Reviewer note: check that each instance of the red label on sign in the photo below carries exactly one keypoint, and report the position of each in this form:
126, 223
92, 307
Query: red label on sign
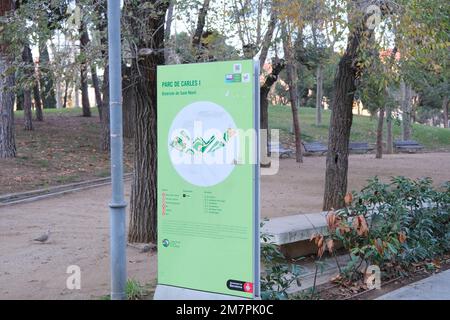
248, 287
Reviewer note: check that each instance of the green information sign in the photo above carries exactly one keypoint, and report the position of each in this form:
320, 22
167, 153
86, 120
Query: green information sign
208, 179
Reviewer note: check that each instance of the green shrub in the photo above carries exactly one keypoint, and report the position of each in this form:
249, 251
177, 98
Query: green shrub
391, 225
278, 275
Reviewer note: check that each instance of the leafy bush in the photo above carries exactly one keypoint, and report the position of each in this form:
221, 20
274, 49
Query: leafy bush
391, 225
278, 275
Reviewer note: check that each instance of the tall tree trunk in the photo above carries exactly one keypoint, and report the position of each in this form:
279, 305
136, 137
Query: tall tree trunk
96, 85
149, 33
380, 133
28, 115
84, 41
46, 76
105, 133
277, 66
66, 93
406, 105
105, 137
445, 103
86, 107
319, 94
129, 105
28, 72
37, 102
267, 41
19, 99
290, 75
389, 135
37, 93
7, 96
196, 39
168, 29
341, 123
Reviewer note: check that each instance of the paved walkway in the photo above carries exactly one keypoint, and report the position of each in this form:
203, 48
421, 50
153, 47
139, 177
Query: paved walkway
436, 287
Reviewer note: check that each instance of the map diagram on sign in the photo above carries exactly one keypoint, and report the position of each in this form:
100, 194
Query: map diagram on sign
184, 143
203, 143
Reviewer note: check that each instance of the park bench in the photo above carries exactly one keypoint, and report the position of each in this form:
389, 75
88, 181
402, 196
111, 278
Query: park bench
410, 146
315, 147
360, 147
283, 152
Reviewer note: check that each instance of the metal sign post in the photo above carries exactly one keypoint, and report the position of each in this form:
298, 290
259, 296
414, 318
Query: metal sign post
118, 204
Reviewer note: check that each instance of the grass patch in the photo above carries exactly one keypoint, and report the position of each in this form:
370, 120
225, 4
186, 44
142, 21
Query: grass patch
59, 112
363, 128
43, 163
134, 290
68, 179
103, 173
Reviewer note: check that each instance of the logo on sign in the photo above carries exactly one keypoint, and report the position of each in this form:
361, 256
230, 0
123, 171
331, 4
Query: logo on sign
233, 78
242, 286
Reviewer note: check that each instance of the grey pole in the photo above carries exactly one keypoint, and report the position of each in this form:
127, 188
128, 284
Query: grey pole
118, 204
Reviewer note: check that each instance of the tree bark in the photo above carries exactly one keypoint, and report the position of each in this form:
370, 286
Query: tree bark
129, 106
406, 110
66, 92
380, 133
19, 100
84, 41
319, 94
277, 66
168, 29
28, 72
96, 85
445, 111
7, 96
196, 40
267, 41
46, 76
290, 71
105, 132
389, 135
147, 26
341, 123
37, 93
103, 103
37, 102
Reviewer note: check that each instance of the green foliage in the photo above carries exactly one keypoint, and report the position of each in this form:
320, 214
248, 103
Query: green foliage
278, 275
133, 290
393, 225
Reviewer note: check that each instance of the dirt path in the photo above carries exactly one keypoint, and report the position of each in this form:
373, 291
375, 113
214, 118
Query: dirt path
80, 226
299, 188
79, 223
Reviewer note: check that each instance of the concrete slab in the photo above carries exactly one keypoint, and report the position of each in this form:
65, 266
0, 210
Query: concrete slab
307, 275
436, 287
290, 229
